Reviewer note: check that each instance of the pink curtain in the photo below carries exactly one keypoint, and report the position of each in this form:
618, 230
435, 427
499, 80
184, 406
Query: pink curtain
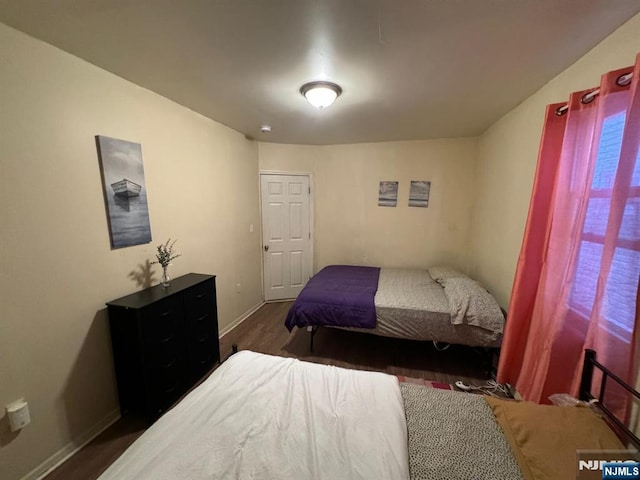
576, 283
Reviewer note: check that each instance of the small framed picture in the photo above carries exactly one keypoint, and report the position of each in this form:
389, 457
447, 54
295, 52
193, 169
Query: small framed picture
388, 194
419, 193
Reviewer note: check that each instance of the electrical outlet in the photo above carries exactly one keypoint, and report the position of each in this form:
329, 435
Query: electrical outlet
18, 413
238, 288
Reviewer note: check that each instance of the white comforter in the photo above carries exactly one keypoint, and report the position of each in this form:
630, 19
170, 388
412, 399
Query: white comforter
264, 417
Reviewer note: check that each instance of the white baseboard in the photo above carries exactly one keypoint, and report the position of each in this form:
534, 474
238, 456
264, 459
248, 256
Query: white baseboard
73, 447
240, 319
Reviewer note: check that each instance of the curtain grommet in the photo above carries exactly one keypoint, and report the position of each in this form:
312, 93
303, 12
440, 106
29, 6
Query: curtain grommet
624, 80
562, 110
587, 98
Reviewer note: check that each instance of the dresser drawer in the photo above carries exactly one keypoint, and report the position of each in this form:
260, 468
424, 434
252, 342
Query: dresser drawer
167, 383
203, 354
165, 354
201, 328
199, 300
163, 321
202, 340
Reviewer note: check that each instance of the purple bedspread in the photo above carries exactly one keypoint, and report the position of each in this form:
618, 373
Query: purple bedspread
338, 295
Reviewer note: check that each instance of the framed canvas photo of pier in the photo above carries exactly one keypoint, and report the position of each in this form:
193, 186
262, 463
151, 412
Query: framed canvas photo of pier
125, 193
419, 193
388, 194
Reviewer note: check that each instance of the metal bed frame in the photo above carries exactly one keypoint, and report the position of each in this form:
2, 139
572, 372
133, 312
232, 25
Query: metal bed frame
589, 367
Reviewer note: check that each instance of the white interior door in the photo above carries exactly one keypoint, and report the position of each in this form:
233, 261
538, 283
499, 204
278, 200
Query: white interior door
286, 234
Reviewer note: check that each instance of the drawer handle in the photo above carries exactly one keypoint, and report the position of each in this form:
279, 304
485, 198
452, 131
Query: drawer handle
199, 296
206, 337
172, 388
170, 337
202, 362
165, 313
202, 317
170, 364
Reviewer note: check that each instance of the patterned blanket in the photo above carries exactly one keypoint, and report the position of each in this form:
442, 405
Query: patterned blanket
454, 436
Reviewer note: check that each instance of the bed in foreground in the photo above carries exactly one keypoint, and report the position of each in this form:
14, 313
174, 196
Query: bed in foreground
265, 417
438, 304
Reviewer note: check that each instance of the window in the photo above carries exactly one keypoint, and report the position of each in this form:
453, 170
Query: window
621, 288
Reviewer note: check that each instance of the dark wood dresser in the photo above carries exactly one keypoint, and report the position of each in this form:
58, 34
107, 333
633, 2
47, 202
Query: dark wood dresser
164, 341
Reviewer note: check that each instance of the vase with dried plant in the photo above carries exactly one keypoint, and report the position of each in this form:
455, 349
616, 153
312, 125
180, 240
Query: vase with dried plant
165, 255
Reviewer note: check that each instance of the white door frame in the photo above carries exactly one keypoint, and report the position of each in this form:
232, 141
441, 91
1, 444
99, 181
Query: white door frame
311, 232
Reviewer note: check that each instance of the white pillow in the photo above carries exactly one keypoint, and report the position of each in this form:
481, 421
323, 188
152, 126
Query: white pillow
440, 273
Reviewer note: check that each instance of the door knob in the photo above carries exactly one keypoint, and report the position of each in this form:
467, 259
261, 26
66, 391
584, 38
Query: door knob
266, 248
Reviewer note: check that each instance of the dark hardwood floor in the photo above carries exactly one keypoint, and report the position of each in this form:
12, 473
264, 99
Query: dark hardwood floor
264, 332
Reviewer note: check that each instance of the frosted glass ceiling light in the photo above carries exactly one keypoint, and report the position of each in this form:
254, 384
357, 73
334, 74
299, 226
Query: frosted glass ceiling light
320, 94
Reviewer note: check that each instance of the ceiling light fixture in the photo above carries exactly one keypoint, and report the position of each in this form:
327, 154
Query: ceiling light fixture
320, 94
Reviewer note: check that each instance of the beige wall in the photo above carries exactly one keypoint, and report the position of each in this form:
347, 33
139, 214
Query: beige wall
507, 156
56, 266
349, 225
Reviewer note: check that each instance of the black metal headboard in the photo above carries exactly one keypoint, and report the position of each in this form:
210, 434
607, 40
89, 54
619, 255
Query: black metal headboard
588, 368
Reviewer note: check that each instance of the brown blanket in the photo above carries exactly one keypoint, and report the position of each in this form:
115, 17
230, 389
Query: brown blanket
545, 438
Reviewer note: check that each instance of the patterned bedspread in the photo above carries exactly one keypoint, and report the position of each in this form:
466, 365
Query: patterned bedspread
454, 436
410, 304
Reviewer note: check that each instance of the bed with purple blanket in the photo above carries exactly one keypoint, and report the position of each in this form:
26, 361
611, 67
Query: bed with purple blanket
438, 304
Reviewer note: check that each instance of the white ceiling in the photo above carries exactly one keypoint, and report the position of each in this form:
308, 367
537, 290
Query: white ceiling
410, 69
